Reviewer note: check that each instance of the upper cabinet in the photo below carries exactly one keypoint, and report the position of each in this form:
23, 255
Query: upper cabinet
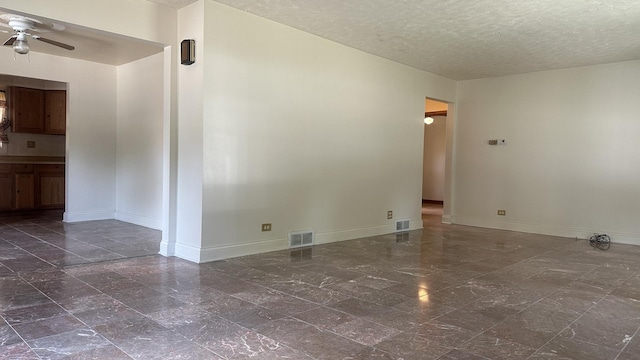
27, 109
55, 112
38, 111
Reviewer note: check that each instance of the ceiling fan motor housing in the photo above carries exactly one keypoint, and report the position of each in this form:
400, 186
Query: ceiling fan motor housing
21, 25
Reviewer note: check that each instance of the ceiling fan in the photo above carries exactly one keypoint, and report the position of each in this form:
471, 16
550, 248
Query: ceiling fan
23, 27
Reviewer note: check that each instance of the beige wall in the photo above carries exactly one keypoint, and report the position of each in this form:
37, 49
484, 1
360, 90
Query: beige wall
91, 132
434, 156
190, 158
91, 127
134, 18
570, 165
139, 142
274, 153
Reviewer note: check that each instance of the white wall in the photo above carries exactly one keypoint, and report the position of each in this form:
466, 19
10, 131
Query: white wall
139, 142
304, 133
134, 18
190, 139
140, 20
570, 165
91, 128
434, 156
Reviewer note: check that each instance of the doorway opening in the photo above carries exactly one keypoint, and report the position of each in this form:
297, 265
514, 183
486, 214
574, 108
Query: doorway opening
34, 183
434, 160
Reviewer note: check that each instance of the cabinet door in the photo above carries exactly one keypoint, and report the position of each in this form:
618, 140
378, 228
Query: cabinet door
6, 191
51, 191
27, 109
25, 198
55, 110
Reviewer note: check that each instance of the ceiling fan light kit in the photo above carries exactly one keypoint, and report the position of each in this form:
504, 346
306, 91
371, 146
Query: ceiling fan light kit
22, 26
20, 44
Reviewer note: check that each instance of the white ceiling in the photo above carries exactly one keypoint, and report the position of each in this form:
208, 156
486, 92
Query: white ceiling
456, 39
90, 44
473, 38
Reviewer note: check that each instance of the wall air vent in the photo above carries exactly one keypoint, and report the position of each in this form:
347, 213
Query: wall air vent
402, 225
301, 238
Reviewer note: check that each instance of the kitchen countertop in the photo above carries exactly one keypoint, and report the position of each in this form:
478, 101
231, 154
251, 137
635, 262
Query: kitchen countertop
48, 160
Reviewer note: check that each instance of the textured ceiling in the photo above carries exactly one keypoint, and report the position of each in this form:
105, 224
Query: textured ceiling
469, 39
461, 40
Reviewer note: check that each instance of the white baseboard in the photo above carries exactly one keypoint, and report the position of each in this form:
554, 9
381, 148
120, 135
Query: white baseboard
167, 249
446, 219
139, 220
187, 252
235, 250
231, 251
416, 225
326, 238
570, 232
77, 216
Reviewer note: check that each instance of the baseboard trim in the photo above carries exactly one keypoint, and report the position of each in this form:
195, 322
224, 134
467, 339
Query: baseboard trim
257, 247
187, 252
138, 220
570, 232
446, 219
167, 249
78, 216
237, 250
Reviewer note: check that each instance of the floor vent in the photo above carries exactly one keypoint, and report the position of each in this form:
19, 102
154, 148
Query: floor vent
301, 238
402, 225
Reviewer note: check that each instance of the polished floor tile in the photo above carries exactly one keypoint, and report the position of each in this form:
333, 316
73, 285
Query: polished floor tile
41, 241
446, 292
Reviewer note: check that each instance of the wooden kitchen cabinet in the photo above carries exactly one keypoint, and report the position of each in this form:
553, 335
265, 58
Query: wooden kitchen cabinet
55, 112
24, 187
27, 109
50, 186
38, 111
6, 186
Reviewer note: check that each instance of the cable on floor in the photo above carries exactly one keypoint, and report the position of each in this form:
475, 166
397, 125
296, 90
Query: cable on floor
600, 241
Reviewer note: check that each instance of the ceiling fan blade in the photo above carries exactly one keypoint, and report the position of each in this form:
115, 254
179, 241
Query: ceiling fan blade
53, 42
10, 40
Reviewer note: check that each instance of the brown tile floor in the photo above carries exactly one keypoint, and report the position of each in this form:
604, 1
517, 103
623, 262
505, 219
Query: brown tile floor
446, 292
41, 241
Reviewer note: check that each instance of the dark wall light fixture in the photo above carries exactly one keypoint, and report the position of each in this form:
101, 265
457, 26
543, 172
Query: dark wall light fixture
187, 51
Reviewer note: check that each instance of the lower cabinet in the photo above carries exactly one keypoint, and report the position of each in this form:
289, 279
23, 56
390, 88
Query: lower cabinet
25, 181
29, 186
6, 187
25, 194
50, 186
